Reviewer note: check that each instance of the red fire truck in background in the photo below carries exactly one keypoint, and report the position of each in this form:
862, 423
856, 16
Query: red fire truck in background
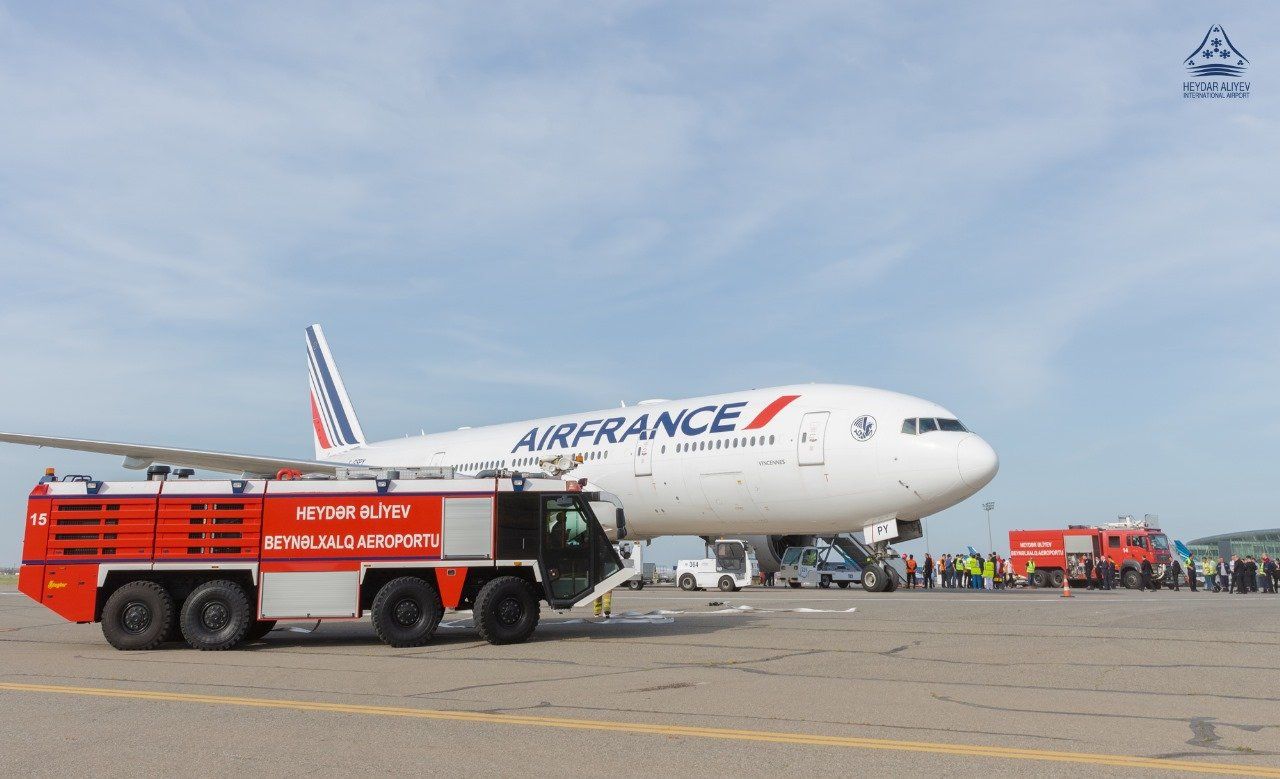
1059, 554
216, 563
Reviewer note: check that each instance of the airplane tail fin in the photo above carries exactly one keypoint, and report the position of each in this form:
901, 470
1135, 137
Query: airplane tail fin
333, 419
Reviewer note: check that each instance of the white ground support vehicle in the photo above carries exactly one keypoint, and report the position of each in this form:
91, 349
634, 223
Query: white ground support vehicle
811, 565
632, 555
732, 567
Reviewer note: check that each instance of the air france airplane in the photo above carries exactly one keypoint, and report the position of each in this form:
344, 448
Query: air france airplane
776, 466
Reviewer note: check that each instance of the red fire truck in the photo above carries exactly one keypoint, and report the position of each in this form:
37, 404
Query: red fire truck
216, 563
1059, 554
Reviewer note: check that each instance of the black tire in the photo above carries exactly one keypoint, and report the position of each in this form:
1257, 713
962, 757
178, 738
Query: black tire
635, 584
259, 629
406, 612
216, 616
1131, 579
688, 583
890, 581
874, 578
793, 584
726, 584
844, 585
506, 611
1039, 578
137, 616
824, 582
1056, 578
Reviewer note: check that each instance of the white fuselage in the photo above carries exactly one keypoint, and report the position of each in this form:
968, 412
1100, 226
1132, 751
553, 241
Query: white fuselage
814, 458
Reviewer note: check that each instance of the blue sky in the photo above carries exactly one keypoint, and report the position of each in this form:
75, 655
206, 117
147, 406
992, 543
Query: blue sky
502, 211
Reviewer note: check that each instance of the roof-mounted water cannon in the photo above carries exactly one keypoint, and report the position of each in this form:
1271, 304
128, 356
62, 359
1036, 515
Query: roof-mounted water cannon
558, 465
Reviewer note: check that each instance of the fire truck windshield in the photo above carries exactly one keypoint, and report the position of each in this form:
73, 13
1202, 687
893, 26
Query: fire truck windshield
1160, 541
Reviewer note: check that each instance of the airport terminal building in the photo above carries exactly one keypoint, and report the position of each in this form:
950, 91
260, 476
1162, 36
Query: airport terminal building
1251, 542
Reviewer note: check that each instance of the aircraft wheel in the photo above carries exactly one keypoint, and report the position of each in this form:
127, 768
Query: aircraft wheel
873, 578
890, 581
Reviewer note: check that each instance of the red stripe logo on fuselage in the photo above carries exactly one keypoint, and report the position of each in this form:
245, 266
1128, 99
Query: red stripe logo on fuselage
770, 411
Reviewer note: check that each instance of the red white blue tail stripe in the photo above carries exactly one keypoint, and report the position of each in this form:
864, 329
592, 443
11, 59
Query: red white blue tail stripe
333, 419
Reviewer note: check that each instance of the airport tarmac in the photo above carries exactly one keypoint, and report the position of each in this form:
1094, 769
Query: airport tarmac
1017, 683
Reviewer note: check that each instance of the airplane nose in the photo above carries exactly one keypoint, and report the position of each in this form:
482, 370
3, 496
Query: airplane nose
977, 461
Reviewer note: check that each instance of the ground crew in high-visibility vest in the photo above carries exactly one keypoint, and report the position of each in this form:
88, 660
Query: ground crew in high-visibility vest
604, 603
975, 573
989, 574
1031, 569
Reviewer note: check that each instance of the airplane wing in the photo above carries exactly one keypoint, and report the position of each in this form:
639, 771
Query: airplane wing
139, 456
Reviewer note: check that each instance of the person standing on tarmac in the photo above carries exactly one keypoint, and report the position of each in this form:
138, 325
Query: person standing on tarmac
1175, 573
1270, 573
989, 572
1100, 573
1224, 575
1234, 567
959, 571
1191, 572
1147, 584
928, 571
1031, 569
1211, 574
911, 572
604, 603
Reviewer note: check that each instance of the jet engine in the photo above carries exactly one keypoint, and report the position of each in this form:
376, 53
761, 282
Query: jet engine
769, 549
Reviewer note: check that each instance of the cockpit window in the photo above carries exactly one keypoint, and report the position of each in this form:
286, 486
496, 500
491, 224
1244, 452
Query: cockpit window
927, 425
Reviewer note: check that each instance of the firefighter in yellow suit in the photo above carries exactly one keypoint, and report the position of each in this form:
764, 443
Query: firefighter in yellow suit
604, 603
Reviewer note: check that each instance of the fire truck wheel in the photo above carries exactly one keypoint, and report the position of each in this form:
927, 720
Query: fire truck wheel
137, 616
726, 584
1131, 579
406, 612
1056, 577
1039, 578
216, 616
506, 610
259, 629
688, 583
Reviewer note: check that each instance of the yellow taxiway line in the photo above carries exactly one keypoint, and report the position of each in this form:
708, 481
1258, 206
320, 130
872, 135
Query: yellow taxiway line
690, 731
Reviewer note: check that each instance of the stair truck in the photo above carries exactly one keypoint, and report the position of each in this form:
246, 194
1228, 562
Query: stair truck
1060, 554
218, 562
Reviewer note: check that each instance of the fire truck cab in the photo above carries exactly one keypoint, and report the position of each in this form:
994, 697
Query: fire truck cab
218, 562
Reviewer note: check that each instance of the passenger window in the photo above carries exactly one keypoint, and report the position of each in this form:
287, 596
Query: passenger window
804, 437
928, 426
770, 439
909, 426
753, 440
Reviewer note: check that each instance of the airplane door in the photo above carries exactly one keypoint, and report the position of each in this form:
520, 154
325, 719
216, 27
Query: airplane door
644, 458
813, 436
437, 458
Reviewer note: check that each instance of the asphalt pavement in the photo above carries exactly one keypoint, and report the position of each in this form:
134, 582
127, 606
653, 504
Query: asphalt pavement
755, 683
